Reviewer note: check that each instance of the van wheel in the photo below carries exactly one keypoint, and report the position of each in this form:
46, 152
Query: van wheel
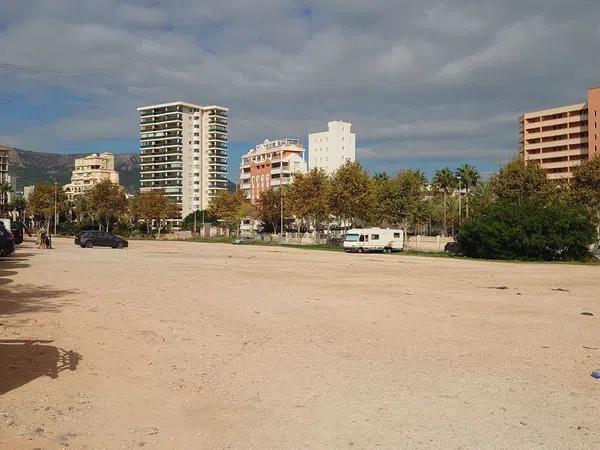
360, 250
89, 244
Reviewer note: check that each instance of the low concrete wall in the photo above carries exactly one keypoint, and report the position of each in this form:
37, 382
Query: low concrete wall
427, 243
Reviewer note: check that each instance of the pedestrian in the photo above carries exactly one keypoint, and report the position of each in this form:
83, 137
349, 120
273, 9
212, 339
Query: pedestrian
43, 239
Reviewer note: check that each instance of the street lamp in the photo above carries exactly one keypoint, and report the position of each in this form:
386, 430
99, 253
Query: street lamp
55, 205
281, 195
459, 199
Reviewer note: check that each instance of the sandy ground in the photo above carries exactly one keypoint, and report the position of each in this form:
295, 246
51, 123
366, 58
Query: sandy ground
186, 345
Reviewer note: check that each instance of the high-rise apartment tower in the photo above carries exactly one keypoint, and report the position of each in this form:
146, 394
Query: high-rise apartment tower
183, 151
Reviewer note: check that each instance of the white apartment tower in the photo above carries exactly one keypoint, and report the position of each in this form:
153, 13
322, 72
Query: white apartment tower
183, 151
331, 149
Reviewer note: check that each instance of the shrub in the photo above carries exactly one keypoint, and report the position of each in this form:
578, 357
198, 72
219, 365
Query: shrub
530, 230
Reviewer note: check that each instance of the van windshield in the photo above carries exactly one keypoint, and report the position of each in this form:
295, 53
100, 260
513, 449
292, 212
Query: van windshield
351, 237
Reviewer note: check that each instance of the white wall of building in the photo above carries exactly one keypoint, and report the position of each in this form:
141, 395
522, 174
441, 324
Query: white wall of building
330, 149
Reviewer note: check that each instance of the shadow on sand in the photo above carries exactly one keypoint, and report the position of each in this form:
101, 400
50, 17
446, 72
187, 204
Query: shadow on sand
25, 298
22, 361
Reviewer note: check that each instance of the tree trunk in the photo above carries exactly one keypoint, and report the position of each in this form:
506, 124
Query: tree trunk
445, 221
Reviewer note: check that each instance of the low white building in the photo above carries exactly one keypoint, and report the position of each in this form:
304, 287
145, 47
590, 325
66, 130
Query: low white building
331, 149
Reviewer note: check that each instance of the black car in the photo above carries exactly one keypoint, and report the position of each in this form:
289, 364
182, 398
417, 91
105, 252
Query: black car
18, 229
7, 242
91, 239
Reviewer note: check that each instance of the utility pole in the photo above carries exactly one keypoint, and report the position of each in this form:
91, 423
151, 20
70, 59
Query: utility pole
459, 200
195, 221
55, 205
281, 195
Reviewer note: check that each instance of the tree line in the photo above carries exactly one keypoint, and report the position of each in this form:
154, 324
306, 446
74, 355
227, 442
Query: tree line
105, 206
351, 197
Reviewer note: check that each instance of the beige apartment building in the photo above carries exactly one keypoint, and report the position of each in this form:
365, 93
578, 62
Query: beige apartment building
560, 138
270, 165
91, 170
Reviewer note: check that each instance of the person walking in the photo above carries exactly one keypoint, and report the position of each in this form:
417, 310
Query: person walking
43, 239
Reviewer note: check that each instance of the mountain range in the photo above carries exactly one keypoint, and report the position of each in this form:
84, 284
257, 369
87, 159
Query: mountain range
30, 167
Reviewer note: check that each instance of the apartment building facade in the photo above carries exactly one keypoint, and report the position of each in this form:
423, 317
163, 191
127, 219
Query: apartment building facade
183, 151
328, 150
271, 165
89, 171
559, 139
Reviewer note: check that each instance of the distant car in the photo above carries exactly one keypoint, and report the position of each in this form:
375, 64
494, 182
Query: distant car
596, 250
7, 242
244, 240
81, 233
452, 248
91, 239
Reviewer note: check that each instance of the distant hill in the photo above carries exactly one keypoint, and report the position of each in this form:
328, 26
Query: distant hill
36, 167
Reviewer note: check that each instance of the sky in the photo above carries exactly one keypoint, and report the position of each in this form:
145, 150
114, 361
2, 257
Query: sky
425, 84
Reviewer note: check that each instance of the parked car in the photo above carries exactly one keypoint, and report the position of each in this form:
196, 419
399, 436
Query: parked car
91, 239
244, 240
18, 230
81, 233
7, 242
452, 248
596, 250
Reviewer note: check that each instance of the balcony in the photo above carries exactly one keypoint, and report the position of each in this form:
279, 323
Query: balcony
162, 143
161, 119
217, 128
213, 120
217, 112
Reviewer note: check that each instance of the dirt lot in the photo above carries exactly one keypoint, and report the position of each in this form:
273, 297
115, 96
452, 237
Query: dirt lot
183, 345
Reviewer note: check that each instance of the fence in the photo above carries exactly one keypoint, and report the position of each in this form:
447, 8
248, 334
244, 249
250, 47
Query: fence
427, 243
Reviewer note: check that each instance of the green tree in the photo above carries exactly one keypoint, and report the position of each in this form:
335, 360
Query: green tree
529, 230
269, 209
350, 195
5, 189
19, 204
230, 207
519, 182
188, 221
43, 200
481, 196
445, 181
469, 177
585, 187
308, 197
154, 206
107, 203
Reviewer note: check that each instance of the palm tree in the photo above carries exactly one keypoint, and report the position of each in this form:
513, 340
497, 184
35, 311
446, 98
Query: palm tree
5, 188
483, 195
470, 176
445, 181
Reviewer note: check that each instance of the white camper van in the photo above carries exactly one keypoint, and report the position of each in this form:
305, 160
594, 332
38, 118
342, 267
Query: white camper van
384, 240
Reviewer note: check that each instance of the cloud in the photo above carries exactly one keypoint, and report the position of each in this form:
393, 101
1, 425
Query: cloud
427, 79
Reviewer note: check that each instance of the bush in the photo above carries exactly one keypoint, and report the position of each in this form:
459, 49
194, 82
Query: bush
529, 231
